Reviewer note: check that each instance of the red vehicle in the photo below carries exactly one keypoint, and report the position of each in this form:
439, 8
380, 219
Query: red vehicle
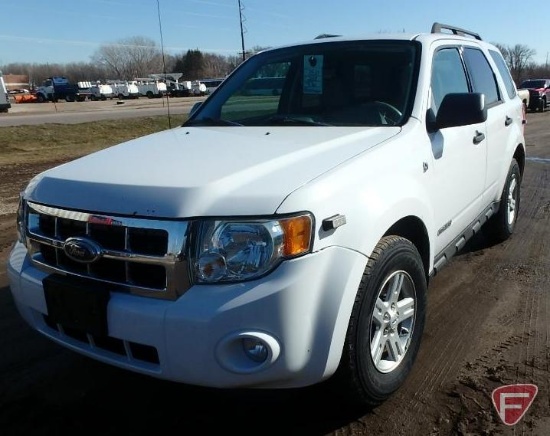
539, 93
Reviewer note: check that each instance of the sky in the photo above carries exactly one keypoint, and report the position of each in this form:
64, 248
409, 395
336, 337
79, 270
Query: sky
66, 31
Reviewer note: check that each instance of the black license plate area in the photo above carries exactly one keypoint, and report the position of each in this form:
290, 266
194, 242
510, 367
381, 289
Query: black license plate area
76, 304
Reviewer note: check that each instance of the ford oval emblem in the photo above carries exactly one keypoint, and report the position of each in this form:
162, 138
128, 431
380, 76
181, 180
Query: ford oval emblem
82, 250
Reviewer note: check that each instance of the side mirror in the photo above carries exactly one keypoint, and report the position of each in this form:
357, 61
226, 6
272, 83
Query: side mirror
460, 109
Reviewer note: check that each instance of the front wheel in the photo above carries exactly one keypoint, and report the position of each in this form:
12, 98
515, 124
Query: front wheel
386, 324
501, 226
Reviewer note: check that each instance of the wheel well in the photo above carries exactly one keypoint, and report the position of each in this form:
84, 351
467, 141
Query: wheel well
519, 155
413, 229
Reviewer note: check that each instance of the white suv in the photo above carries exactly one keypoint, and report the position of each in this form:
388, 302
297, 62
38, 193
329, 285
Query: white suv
279, 240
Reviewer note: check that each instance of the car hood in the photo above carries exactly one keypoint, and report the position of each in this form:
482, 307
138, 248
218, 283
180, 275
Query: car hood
202, 171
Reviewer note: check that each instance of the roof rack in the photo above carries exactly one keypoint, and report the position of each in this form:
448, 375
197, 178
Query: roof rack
326, 35
438, 27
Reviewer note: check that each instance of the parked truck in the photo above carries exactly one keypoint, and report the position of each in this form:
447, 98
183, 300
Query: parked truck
277, 241
124, 90
60, 88
539, 93
102, 91
150, 88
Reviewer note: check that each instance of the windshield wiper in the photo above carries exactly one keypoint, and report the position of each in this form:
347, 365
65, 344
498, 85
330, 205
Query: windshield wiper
208, 121
300, 120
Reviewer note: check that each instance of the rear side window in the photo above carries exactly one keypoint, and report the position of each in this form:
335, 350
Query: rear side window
504, 73
483, 78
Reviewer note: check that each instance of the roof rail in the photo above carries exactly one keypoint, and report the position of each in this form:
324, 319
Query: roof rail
438, 27
326, 35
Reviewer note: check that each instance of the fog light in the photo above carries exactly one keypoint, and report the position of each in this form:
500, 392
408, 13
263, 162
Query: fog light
247, 352
255, 349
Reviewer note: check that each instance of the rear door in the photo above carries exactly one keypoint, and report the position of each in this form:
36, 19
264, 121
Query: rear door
504, 115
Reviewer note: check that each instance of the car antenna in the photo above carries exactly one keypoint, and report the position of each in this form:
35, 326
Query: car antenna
163, 63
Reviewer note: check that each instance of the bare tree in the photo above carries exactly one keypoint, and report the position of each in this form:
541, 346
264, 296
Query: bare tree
85, 71
518, 58
215, 65
131, 57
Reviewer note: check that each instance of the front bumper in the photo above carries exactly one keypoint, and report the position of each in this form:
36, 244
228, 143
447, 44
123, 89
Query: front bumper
300, 311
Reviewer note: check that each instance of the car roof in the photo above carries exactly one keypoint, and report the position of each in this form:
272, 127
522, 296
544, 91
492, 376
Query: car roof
451, 33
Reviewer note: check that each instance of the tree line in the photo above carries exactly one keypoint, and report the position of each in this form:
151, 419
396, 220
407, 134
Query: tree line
519, 59
138, 56
130, 58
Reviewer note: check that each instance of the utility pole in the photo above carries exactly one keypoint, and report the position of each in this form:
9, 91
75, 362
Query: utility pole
242, 33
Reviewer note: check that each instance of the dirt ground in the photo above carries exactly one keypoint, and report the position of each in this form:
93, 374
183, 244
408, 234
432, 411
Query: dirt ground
488, 325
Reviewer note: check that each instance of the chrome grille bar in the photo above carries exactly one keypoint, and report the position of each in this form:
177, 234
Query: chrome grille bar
146, 234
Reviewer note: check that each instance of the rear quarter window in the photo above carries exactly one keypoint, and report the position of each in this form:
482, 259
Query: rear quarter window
504, 73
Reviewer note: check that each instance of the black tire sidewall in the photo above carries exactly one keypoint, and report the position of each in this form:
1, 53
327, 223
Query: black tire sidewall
400, 254
498, 228
514, 170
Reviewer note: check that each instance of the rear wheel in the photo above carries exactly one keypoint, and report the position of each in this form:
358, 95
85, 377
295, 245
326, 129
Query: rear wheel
386, 324
501, 226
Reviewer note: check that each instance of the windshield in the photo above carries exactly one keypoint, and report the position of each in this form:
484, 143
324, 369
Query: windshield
359, 83
533, 84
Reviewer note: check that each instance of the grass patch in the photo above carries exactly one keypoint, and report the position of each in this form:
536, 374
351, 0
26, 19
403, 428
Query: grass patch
50, 142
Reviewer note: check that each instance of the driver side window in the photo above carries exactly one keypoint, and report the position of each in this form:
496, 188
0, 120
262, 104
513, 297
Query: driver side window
448, 76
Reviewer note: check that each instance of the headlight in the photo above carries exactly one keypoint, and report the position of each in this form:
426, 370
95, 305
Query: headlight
21, 220
236, 250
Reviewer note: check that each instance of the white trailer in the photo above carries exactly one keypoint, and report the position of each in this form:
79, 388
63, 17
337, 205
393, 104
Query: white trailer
101, 91
4, 97
125, 90
150, 88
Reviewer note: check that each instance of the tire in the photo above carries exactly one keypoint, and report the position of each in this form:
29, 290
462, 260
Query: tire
542, 105
391, 327
40, 98
501, 226
150, 94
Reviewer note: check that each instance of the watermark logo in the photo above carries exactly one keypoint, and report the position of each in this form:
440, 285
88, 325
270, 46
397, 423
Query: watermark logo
512, 401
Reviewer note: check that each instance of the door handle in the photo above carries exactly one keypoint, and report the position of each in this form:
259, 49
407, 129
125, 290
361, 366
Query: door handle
508, 121
479, 137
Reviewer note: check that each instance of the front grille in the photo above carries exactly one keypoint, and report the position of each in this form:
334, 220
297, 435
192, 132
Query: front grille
141, 256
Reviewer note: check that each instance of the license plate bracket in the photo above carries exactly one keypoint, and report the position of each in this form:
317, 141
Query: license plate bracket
76, 304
